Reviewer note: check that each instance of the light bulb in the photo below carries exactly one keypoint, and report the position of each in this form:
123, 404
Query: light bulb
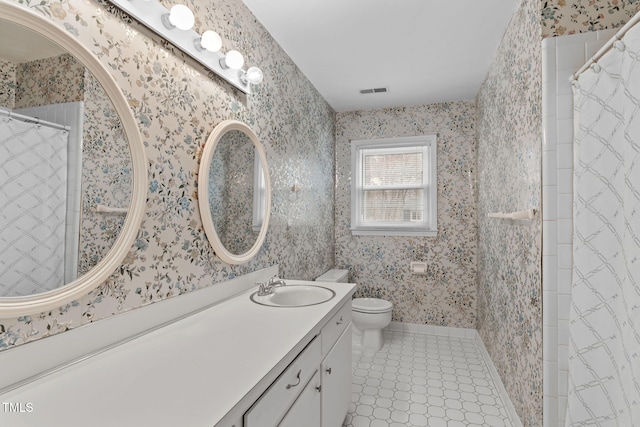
253, 75
233, 59
211, 41
181, 17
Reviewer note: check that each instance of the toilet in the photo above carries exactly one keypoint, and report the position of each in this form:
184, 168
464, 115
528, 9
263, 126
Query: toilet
369, 315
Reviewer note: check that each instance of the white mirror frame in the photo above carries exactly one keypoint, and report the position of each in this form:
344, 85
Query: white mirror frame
203, 192
20, 306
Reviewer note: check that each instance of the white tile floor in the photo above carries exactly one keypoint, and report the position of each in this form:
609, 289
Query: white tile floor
424, 380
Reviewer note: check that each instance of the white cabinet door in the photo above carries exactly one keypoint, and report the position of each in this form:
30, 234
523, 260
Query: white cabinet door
275, 402
306, 409
336, 381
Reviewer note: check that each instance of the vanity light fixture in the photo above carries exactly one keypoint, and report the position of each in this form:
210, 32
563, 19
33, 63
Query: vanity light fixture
176, 26
253, 75
210, 41
179, 17
233, 59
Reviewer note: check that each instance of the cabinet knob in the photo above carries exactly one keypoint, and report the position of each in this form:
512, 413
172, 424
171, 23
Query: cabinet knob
328, 371
339, 322
319, 388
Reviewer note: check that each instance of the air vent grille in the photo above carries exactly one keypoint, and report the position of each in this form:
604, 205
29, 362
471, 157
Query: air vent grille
374, 90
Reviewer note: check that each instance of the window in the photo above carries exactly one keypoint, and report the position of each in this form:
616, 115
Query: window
393, 186
259, 193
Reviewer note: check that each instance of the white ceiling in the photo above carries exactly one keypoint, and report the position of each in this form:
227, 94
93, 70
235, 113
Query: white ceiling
423, 51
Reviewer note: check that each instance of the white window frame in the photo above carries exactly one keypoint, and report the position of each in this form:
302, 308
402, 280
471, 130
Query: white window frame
429, 224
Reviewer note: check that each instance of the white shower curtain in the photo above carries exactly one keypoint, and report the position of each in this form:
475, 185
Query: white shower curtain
604, 343
33, 191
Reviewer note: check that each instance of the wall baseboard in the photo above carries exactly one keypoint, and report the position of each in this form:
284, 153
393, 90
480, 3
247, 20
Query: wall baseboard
442, 331
508, 405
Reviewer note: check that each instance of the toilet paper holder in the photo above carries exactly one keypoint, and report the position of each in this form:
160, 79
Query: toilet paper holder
418, 268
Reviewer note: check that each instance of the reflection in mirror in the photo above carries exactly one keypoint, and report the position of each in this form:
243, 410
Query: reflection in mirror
63, 153
231, 182
259, 193
234, 192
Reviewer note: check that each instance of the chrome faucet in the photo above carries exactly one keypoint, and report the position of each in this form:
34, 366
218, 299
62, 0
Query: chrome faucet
267, 288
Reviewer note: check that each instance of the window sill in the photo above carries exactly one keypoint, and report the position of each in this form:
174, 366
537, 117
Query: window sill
394, 232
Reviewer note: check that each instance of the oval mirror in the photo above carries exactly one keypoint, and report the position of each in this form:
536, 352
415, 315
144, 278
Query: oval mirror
234, 192
73, 172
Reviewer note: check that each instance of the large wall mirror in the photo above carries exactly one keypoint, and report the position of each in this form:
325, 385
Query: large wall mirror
234, 192
73, 174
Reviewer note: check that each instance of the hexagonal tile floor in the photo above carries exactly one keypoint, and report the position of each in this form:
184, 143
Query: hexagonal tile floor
424, 380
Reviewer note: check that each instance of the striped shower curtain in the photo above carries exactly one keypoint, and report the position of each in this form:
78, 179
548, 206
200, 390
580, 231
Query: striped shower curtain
33, 191
604, 345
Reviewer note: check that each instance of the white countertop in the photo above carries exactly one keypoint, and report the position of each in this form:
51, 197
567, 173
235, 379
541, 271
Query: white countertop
195, 372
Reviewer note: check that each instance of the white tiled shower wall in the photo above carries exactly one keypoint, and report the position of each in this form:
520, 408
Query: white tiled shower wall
561, 57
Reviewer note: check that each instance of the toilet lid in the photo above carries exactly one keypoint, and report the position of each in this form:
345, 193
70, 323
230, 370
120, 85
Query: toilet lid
371, 305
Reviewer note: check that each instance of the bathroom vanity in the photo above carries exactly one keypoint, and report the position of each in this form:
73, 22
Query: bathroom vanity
315, 389
236, 363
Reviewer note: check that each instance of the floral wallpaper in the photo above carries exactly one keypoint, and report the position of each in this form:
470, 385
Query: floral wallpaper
106, 174
446, 296
7, 84
560, 17
177, 105
48, 81
509, 252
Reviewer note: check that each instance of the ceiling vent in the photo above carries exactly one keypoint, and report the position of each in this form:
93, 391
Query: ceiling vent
375, 90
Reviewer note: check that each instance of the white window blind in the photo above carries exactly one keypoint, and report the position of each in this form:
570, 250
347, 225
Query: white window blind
394, 186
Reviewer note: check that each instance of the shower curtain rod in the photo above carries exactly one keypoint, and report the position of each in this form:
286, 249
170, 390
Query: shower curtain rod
604, 49
35, 120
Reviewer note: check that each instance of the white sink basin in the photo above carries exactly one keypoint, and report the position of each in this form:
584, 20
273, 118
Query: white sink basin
294, 296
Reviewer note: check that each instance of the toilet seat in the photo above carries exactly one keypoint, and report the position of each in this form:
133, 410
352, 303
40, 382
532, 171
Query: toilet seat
371, 305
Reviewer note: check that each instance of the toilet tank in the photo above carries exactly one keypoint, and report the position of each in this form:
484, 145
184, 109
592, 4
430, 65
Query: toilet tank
334, 275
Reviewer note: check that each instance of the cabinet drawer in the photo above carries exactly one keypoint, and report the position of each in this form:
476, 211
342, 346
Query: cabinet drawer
334, 327
306, 410
275, 402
